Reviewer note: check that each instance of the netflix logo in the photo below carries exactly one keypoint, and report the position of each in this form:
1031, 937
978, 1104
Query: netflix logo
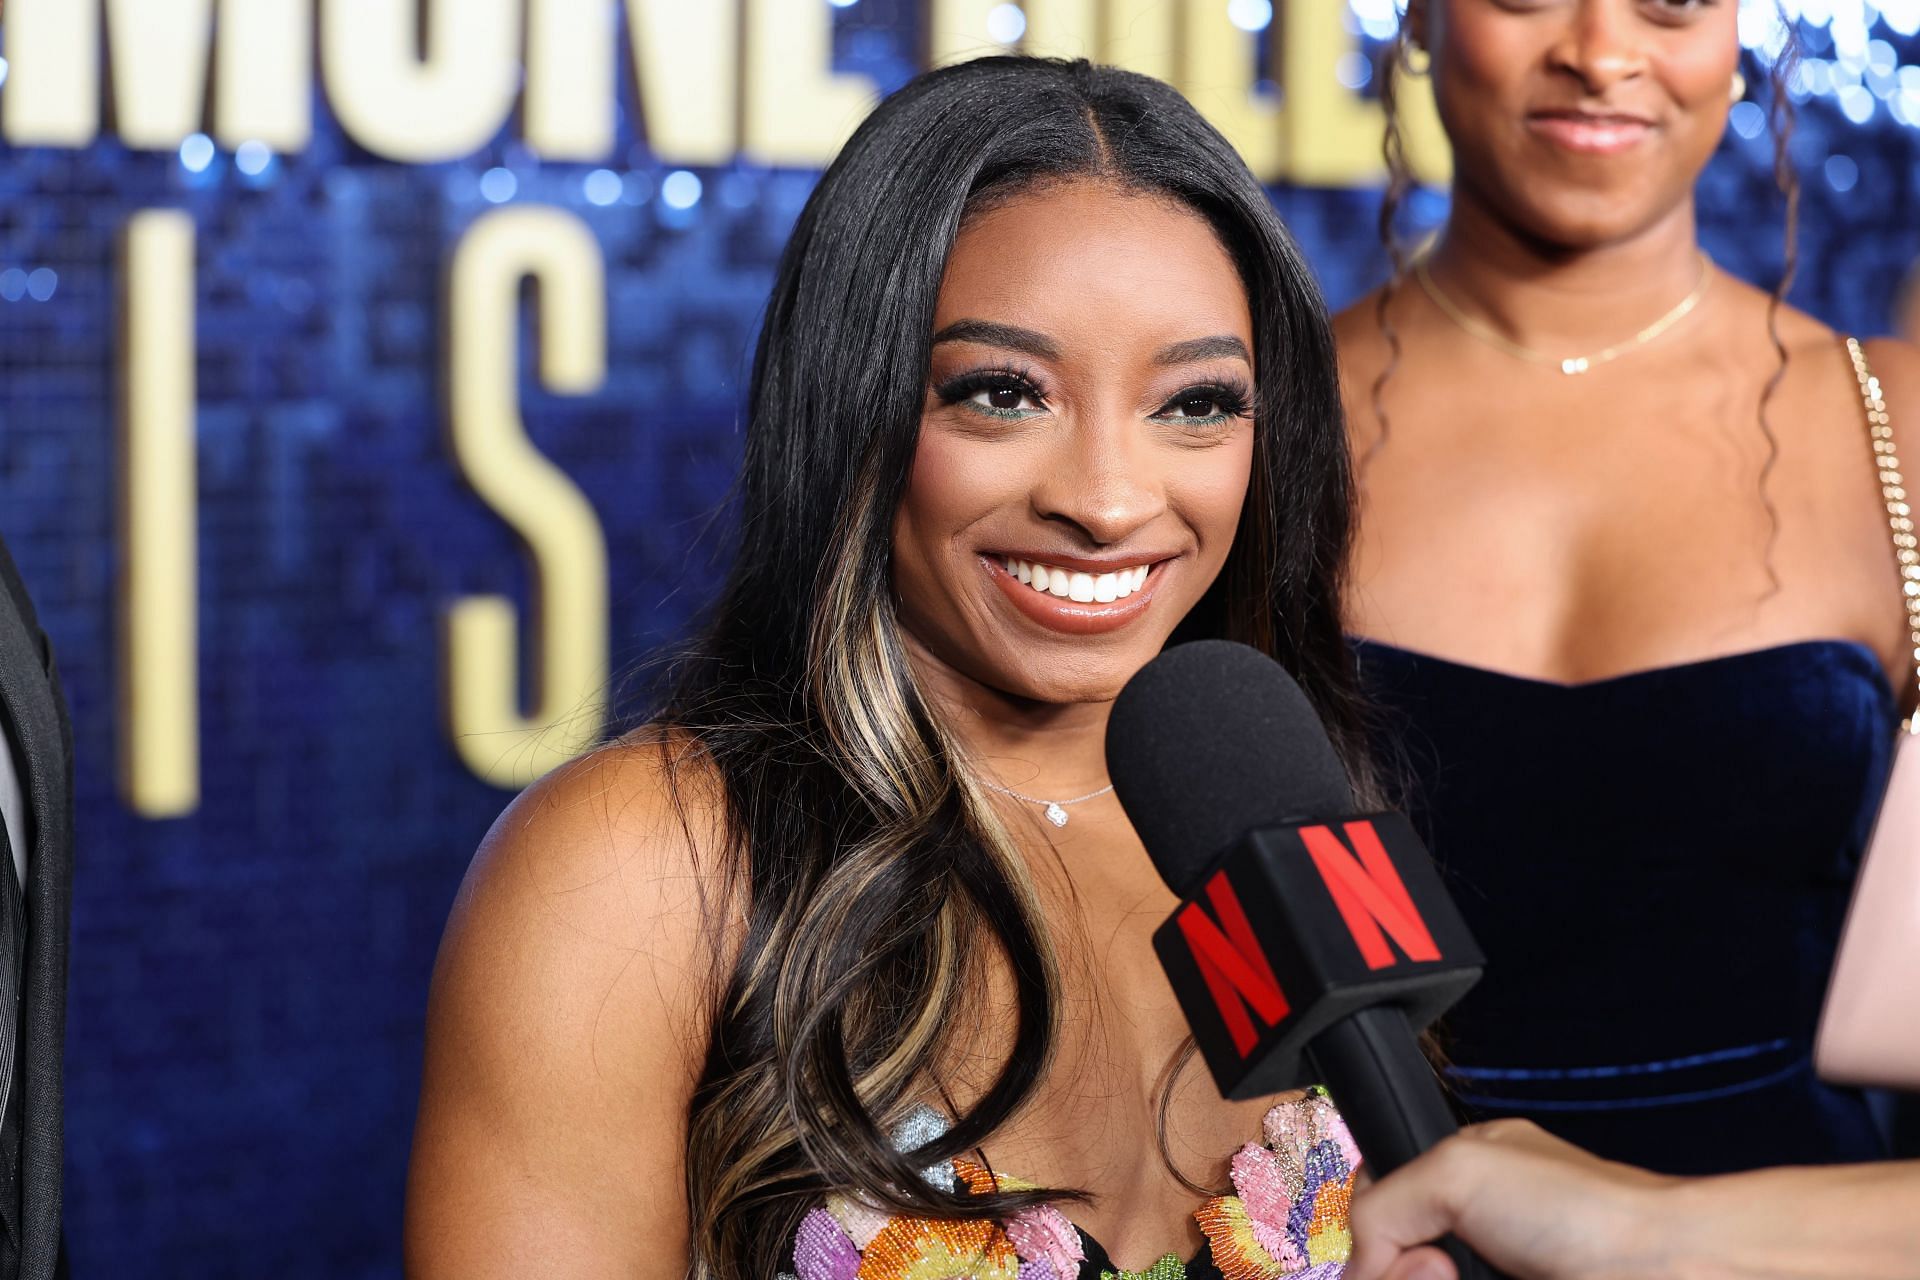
1296, 927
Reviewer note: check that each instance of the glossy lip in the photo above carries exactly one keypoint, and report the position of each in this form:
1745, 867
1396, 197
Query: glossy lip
1590, 132
1071, 617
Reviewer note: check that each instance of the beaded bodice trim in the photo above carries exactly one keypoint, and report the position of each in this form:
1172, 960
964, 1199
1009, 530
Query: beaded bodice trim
1286, 1218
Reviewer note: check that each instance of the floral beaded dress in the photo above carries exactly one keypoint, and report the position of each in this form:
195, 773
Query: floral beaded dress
1286, 1218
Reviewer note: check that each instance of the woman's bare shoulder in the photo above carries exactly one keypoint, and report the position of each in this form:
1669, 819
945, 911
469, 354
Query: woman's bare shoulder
640, 814
614, 857
568, 1018
1896, 363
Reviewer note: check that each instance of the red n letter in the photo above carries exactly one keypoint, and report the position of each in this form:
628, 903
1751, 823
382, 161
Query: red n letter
1232, 963
1369, 894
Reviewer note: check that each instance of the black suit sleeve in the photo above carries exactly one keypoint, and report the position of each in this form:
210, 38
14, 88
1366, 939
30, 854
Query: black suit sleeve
16, 590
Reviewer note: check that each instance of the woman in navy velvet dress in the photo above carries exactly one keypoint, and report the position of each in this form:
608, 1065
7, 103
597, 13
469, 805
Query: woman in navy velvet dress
1626, 593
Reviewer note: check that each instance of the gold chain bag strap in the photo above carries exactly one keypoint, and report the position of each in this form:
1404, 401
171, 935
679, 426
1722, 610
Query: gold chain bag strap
1870, 1028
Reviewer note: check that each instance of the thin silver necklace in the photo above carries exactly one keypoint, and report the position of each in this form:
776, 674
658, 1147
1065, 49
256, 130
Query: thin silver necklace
1056, 810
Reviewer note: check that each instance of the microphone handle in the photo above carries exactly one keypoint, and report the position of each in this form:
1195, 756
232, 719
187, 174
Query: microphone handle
1371, 1063
1385, 1088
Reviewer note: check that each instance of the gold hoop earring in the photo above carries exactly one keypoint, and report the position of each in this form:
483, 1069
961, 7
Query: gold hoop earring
1739, 86
1413, 60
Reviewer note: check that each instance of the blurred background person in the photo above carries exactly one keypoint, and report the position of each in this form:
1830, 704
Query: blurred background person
36, 883
1627, 590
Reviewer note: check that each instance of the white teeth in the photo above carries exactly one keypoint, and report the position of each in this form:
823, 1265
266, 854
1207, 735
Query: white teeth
1084, 588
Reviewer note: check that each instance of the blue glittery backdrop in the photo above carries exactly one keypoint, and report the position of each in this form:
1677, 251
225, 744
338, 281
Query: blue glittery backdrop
248, 982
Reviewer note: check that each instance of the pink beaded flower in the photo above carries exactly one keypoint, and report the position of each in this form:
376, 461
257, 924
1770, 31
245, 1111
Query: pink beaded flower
1048, 1245
1289, 1218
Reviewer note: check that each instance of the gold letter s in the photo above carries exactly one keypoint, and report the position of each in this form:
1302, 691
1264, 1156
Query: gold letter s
550, 515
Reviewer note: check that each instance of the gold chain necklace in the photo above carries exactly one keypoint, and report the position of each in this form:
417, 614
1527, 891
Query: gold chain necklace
1569, 365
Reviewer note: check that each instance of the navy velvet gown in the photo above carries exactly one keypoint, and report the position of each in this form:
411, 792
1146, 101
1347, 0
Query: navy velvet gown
1657, 866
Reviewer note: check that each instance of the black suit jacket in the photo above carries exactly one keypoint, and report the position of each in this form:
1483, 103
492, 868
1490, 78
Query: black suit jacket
33, 715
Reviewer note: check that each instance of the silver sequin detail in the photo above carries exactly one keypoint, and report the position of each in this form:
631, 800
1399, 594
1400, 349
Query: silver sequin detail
916, 1129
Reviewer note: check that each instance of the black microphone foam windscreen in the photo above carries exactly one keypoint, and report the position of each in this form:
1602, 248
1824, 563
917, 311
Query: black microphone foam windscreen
1210, 740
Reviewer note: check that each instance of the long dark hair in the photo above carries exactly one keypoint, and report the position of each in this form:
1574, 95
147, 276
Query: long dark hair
1400, 184
873, 872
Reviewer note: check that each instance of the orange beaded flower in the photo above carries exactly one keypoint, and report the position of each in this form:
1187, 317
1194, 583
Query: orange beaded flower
848, 1239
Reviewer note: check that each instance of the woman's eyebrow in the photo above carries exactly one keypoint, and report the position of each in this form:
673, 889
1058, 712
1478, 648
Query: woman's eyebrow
1196, 349
1039, 346
1012, 337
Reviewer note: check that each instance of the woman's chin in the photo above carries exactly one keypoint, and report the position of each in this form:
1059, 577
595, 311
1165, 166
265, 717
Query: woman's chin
1044, 676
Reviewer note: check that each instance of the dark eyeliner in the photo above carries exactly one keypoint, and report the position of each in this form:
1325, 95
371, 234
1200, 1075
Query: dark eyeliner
961, 387
1232, 399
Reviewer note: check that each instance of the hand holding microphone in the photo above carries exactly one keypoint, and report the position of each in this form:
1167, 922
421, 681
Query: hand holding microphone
1311, 945
1534, 1206
1542, 1209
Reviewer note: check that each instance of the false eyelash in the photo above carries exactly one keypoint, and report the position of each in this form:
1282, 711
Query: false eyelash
990, 378
1234, 399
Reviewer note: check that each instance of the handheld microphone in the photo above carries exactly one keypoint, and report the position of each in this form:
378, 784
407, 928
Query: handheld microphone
1311, 943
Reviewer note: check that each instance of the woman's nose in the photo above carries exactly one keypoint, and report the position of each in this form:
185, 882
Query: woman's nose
1103, 481
1600, 45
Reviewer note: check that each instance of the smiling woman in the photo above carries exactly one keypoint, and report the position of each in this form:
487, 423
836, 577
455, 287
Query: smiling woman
778, 983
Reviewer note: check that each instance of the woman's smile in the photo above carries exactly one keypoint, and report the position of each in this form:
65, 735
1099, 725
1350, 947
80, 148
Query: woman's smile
1590, 133
1075, 595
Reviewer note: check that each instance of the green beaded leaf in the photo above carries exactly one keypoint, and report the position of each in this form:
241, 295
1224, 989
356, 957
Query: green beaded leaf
1168, 1268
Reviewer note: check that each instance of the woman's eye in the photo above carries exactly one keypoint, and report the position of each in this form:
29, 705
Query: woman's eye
1006, 398
1005, 394
1003, 400
1679, 10
1196, 407
1202, 404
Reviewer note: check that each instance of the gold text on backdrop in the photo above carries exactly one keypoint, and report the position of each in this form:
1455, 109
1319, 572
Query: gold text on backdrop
430, 81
